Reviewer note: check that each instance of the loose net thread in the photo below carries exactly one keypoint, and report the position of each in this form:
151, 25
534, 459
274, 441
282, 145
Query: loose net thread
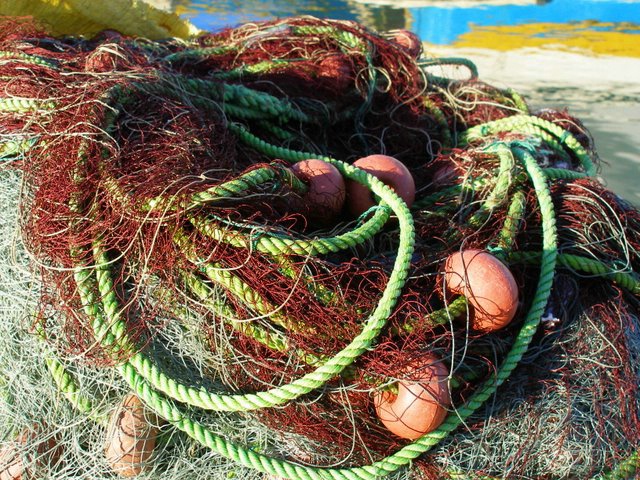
171, 207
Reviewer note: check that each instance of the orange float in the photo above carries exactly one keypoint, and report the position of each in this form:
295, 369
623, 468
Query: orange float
488, 285
409, 41
420, 405
12, 464
325, 198
131, 438
337, 71
390, 171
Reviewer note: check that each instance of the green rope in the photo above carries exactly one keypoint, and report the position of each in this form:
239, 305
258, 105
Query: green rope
535, 126
68, 386
242, 96
563, 174
279, 245
454, 61
23, 105
191, 53
441, 120
518, 100
26, 58
455, 309
498, 195
626, 469
16, 148
272, 339
590, 266
344, 38
234, 284
65, 381
441, 196
235, 188
258, 68
507, 235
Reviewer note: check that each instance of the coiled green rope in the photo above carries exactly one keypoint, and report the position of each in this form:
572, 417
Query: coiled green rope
95, 286
534, 126
401, 458
279, 395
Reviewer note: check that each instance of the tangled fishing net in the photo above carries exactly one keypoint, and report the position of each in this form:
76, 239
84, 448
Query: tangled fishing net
163, 244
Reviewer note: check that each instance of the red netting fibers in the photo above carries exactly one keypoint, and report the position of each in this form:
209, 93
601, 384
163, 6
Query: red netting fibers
177, 254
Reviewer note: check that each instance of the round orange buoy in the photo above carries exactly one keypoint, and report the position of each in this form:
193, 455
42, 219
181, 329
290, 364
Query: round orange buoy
131, 438
421, 403
390, 171
446, 175
409, 41
488, 285
325, 198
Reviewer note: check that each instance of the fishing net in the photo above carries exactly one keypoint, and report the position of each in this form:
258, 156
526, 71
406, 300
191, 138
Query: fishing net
158, 241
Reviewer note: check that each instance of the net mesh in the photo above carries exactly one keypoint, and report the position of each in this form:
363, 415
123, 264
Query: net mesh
148, 184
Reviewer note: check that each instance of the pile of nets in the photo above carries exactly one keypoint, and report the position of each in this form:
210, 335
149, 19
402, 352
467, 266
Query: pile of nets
164, 260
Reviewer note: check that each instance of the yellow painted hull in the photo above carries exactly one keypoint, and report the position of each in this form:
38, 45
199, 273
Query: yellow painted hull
88, 17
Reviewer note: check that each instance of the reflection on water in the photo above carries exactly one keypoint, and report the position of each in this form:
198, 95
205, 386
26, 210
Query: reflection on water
580, 54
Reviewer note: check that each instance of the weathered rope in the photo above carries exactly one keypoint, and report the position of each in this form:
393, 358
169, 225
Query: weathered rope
410, 452
535, 126
165, 394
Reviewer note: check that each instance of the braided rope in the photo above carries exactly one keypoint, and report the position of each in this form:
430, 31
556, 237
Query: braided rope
506, 172
628, 281
626, 469
507, 235
16, 148
533, 126
115, 333
96, 289
403, 457
279, 245
238, 287
563, 174
23, 105
27, 58
67, 384
271, 339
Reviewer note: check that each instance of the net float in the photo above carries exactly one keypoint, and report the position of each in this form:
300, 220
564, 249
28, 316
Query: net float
488, 285
337, 71
407, 40
11, 464
131, 437
420, 405
12, 460
390, 171
326, 195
